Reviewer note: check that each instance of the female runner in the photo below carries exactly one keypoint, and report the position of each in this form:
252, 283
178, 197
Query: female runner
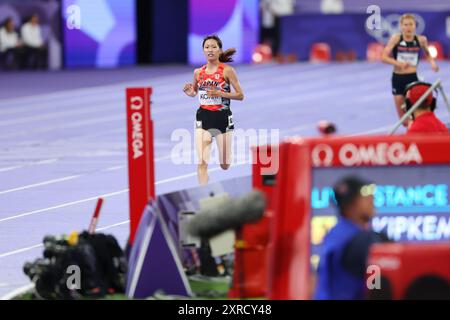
405, 48
213, 83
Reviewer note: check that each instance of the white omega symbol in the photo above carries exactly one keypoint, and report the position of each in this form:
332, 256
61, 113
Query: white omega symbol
319, 160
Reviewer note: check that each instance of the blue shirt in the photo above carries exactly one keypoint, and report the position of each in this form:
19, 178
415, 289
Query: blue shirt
335, 282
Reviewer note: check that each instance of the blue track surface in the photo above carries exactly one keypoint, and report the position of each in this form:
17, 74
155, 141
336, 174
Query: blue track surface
63, 144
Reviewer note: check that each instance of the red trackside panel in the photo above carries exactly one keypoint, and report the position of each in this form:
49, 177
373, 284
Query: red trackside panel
264, 170
140, 154
380, 150
289, 256
403, 263
251, 255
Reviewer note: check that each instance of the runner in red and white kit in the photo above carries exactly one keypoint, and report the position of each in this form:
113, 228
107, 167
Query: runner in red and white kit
213, 83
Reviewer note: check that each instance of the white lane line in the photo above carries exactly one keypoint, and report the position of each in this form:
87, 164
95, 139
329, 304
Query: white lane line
20, 250
90, 199
385, 129
302, 127
106, 195
157, 80
41, 106
82, 123
72, 124
17, 292
113, 225
179, 104
11, 168
105, 90
44, 183
10, 253
181, 177
48, 161
376, 130
182, 105
54, 115
113, 168
189, 175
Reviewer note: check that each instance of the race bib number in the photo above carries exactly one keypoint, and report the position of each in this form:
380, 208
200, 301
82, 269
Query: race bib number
230, 121
208, 101
411, 58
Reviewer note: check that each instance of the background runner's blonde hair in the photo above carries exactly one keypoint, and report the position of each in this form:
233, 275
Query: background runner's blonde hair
407, 16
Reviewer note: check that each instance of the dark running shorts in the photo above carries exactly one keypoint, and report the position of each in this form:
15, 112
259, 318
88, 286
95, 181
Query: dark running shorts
400, 81
216, 122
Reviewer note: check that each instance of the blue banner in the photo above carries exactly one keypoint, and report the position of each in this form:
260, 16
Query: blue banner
348, 32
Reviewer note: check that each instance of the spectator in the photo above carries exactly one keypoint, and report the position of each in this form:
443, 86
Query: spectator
271, 11
424, 119
36, 51
10, 45
344, 252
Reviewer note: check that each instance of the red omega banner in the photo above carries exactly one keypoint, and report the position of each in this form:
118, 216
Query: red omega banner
140, 154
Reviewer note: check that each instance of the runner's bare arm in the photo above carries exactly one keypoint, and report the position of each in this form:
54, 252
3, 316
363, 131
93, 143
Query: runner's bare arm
238, 94
191, 89
424, 45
